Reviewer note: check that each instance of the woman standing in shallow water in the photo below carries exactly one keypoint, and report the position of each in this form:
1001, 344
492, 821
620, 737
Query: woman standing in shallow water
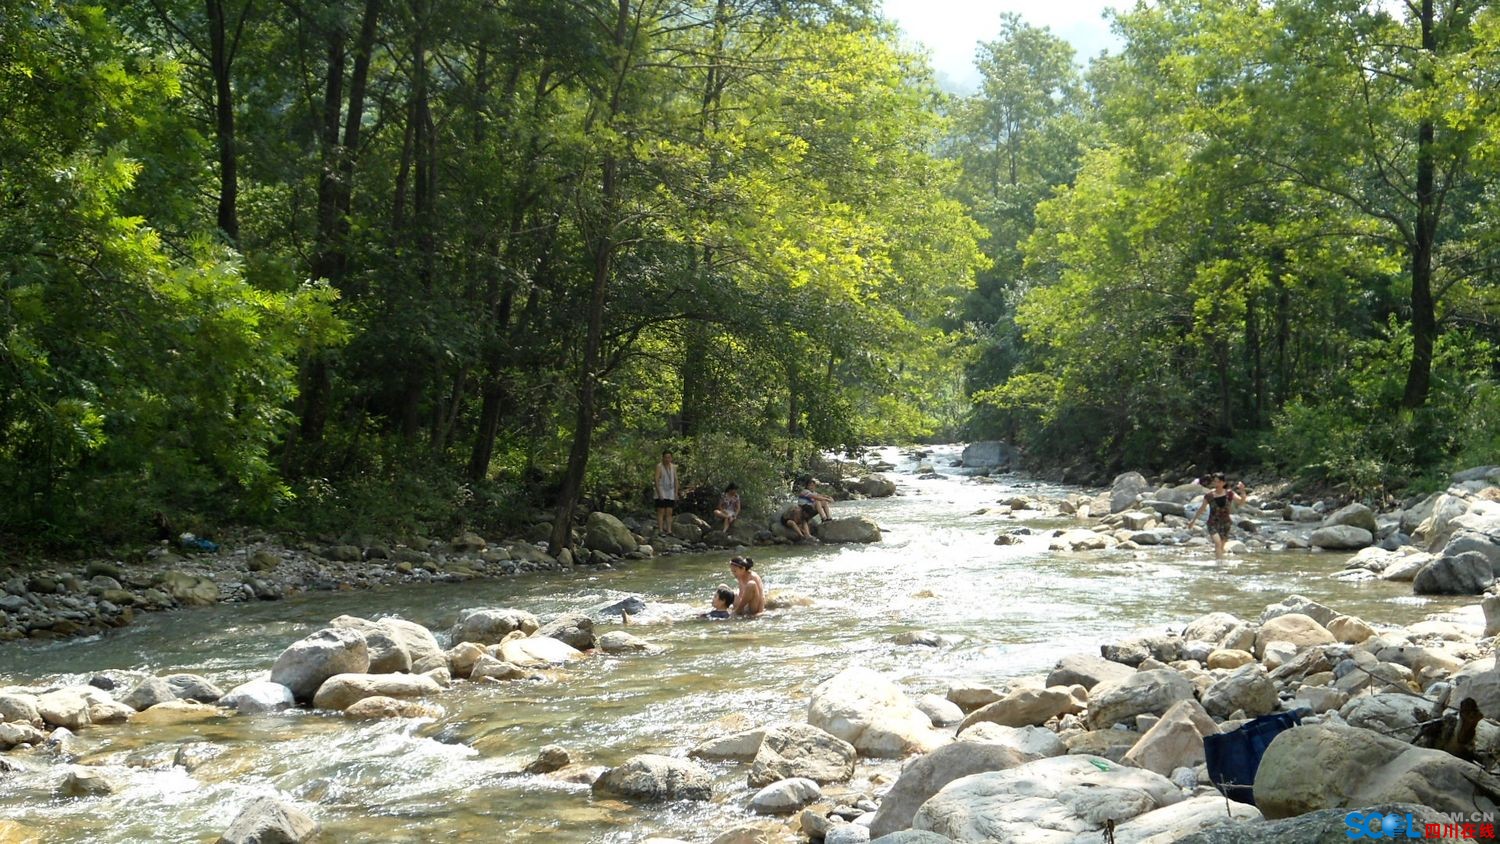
1219, 501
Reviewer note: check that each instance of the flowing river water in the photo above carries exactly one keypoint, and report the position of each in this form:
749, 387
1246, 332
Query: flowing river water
1007, 611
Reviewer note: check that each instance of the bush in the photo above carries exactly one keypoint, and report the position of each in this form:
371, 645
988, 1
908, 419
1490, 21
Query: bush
1480, 444
1355, 435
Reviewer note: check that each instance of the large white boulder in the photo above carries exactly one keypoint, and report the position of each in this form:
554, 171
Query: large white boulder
1330, 766
783, 797
1321, 613
258, 696
574, 629
1468, 573
620, 642
1062, 799
489, 625
1150, 692
1247, 688
1211, 628
1025, 707
848, 529
1354, 515
536, 650
1179, 820
875, 486
147, 693
1031, 742
926, 776
387, 655
1087, 670
1294, 628
603, 532
267, 820
19, 707
1437, 526
1175, 741
872, 713
1341, 538
308, 662
1126, 489
801, 751
343, 690
63, 708
426, 653
650, 777
737, 747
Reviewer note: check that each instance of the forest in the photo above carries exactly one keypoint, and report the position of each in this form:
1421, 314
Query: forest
405, 265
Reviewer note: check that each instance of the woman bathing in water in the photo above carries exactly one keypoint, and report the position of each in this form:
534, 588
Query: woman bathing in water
1219, 500
751, 600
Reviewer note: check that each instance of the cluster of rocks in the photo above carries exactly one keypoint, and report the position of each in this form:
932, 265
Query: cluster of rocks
100, 594
362, 668
97, 595
1115, 742
1447, 543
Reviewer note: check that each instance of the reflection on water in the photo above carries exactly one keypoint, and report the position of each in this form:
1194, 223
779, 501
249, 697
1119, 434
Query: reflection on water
1008, 611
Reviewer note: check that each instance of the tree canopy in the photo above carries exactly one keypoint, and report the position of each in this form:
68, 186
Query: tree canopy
407, 264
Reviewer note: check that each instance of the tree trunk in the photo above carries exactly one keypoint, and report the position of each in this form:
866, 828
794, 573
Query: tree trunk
1226, 397
424, 190
1257, 367
1423, 311
358, 85
218, 63
335, 192
583, 430
693, 373
603, 259
317, 380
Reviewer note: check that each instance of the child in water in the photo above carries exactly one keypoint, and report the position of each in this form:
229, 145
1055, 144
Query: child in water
723, 600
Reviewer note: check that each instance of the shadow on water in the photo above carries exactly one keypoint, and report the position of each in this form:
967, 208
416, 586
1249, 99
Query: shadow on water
1007, 611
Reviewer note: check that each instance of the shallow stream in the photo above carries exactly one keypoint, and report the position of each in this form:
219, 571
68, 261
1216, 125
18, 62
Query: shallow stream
1009, 610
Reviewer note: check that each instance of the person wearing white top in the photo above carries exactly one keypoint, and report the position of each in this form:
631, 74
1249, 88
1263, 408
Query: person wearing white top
666, 492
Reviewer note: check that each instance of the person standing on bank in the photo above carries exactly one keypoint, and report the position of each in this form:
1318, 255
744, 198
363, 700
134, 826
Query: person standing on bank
666, 492
1219, 500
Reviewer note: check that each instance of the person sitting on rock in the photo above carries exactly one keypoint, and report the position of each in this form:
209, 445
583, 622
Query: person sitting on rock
751, 600
723, 603
811, 498
794, 518
1219, 500
729, 507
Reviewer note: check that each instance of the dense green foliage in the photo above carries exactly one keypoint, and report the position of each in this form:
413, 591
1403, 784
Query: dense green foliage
1265, 234
395, 264
417, 264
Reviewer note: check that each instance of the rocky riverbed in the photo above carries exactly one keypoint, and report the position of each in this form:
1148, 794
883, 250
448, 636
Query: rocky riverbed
903, 728
1444, 543
1114, 739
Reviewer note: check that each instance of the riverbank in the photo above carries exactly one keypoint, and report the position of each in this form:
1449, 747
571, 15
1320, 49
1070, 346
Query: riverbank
935, 606
62, 599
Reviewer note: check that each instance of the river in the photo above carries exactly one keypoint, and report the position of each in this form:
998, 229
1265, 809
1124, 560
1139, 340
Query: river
1008, 611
